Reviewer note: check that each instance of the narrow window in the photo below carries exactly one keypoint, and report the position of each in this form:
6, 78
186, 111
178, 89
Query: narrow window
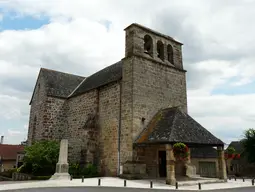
170, 55
160, 50
148, 45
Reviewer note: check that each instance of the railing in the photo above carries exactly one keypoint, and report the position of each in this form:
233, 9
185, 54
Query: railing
20, 177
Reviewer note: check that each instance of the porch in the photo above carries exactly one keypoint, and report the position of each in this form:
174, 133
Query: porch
153, 148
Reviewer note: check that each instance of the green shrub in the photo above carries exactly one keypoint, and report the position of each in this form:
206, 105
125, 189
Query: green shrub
40, 158
77, 171
231, 150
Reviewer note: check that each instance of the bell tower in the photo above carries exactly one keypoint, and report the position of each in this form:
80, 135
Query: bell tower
144, 42
153, 78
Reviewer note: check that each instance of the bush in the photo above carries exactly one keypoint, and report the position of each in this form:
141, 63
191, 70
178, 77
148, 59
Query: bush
77, 170
40, 158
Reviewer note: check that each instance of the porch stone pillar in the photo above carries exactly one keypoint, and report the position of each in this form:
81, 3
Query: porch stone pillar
222, 164
170, 165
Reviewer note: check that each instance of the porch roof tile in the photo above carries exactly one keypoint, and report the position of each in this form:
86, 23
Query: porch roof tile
172, 125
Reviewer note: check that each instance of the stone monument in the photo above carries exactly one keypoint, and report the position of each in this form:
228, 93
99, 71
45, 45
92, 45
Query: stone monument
62, 165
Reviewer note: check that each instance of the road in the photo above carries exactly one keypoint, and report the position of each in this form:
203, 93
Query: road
110, 189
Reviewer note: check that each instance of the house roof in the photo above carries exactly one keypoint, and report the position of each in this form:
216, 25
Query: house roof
9, 152
103, 77
237, 145
172, 125
203, 152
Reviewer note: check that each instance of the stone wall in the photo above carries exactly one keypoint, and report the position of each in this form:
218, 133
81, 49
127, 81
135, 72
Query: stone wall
109, 111
48, 115
195, 161
155, 87
35, 128
82, 129
20, 177
54, 118
148, 84
135, 45
126, 142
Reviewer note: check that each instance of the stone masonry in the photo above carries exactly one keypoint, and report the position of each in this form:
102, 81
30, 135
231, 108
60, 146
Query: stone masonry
148, 84
102, 115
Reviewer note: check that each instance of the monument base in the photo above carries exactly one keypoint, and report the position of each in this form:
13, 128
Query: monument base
60, 176
62, 165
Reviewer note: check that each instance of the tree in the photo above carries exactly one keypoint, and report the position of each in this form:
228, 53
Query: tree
41, 158
248, 143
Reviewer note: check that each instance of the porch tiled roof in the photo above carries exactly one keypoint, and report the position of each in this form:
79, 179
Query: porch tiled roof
172, 125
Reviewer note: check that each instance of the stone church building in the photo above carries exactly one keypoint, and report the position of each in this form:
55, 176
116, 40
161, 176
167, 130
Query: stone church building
126, 117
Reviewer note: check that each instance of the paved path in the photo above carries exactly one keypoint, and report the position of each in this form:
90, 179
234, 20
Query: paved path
91, 185
111, 189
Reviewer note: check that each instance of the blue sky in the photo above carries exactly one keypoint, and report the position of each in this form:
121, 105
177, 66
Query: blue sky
234, 90
14, 21
217, 53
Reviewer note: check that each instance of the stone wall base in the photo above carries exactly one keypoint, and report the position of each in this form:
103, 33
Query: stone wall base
60, 176
134, 170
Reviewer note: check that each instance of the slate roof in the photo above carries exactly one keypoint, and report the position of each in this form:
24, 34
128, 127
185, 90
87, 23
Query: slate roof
171, 125
237, 145
103, 77
9, 152
59, 84
203, 152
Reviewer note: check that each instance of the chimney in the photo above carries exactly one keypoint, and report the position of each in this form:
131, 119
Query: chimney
2, 140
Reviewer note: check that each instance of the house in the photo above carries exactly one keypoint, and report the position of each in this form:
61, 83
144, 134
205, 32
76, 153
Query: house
239, 166
8, 155
126, 117
233, 165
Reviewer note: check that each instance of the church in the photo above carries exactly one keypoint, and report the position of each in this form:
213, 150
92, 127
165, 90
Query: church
126, 117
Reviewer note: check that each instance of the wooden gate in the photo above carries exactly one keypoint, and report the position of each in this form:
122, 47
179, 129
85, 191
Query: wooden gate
207, 169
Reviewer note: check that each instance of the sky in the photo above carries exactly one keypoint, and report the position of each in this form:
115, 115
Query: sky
82, 37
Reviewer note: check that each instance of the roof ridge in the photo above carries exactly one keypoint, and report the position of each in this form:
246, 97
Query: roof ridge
76, 88
153, 119
46, 69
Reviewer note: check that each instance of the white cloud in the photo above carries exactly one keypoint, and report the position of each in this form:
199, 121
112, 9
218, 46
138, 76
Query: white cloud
13, 107
14, 132
217, 40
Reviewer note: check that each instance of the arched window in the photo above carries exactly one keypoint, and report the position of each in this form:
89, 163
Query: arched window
148, 45
34, 129
170, 54
160, 50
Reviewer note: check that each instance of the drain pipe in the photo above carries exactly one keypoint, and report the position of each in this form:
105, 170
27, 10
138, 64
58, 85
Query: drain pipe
119, 130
